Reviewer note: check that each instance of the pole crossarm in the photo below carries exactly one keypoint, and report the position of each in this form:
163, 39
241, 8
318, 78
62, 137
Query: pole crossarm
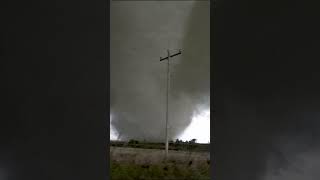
161, 59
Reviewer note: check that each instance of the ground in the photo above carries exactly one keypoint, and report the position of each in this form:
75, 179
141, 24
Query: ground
146, 164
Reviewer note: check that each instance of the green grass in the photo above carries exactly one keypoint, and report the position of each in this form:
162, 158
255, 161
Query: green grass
163, 171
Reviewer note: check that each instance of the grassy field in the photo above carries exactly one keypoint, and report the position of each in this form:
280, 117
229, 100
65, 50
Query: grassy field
180, 146
149, 164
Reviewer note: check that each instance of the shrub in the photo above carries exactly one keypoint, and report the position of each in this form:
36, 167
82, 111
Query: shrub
132, 141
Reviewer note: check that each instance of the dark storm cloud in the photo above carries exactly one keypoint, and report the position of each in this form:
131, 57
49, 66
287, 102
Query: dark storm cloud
140, 33
193, 71
267, 90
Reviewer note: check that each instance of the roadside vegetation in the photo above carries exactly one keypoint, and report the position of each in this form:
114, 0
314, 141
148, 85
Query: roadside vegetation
188, 161
164, 171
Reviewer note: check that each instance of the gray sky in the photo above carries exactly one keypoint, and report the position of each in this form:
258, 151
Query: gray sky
141, 31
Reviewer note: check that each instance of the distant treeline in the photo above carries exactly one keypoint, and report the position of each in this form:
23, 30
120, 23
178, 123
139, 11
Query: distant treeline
177, 145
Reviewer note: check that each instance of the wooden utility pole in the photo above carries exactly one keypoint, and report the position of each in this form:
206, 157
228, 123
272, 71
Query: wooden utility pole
167, 100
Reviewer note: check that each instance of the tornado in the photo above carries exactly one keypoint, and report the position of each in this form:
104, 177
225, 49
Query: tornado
141, 32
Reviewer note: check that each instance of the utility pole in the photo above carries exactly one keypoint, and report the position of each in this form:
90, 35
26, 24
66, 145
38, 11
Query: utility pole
167, 100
